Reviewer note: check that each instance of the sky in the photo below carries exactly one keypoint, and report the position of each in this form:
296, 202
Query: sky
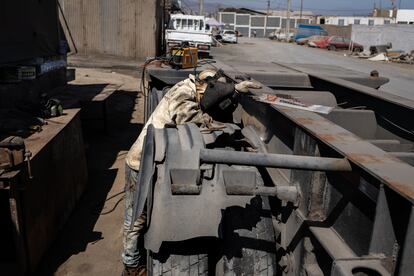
334, 7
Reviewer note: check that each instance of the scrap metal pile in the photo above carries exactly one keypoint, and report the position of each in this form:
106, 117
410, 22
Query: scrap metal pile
386, 53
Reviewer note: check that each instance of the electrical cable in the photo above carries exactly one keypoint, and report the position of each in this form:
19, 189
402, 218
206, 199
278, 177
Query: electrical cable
113, 208
407, 131
96, 206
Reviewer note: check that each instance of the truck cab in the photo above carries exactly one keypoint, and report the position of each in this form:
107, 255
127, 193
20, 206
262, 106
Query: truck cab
189, 29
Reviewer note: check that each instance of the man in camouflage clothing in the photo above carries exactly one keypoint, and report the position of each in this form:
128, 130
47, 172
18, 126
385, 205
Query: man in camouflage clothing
180, 105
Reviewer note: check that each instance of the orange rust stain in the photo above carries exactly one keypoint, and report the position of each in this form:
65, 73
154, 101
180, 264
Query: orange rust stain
328, 137
305, 121
339, 137
403, 188
366, 158
393, 158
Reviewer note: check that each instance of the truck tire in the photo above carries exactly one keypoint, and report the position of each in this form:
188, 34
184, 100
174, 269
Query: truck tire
258, 250
177, 265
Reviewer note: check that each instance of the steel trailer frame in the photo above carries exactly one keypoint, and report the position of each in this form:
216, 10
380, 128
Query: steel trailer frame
352, 215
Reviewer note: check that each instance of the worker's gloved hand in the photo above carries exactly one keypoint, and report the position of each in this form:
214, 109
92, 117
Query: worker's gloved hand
244, 86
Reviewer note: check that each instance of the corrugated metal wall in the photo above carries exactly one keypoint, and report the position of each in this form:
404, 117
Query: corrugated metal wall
127, 28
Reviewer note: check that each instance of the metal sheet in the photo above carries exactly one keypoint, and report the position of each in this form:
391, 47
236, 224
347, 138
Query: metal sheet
125, 28
386, 168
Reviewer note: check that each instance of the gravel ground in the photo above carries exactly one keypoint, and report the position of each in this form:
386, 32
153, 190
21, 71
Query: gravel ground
264, 50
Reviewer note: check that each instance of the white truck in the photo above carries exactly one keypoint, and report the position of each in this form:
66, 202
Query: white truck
190, 29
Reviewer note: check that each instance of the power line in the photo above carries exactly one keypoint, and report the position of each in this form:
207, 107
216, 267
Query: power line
350, 10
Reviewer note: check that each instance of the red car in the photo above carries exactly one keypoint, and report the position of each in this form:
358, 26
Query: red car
337, 42
318, 41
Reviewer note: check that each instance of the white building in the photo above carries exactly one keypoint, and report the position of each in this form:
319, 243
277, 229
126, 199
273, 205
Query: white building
355, 20
259, 23
405, 17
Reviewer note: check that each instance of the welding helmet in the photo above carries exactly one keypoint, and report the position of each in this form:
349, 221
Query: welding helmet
219, 97
204, 78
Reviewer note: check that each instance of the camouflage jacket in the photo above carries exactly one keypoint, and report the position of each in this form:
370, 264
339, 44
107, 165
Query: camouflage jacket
178, 106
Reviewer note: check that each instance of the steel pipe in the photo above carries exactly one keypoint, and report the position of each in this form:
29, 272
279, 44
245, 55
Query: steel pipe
286, 193
284, 161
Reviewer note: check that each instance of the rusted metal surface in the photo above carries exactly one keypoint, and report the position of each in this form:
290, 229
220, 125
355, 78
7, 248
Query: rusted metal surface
391, 171
340, 223
40, 206
393, 112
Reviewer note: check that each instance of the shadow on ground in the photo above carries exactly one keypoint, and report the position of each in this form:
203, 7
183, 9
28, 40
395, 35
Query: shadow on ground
105, 154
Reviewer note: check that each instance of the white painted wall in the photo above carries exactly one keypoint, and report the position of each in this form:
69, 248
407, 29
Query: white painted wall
405, 16
353, 20
232, 24
401, 36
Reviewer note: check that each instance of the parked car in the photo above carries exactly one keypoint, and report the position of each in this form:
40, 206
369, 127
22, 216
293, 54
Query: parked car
281, 36
228, 36
317, 41
322, 42
302, 41
337, 42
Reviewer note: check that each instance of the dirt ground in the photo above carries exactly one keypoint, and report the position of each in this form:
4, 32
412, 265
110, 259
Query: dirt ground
91, 241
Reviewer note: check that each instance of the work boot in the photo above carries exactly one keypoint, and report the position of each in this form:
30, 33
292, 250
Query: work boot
135, 271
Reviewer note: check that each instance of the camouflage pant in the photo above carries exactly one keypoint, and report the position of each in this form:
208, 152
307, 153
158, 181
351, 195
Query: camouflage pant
133, 251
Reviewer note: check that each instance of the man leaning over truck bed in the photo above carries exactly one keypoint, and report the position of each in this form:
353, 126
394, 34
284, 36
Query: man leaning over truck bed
191, 100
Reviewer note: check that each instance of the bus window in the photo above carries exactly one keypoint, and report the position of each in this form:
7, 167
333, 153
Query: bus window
178, 24
171, 25
201, 25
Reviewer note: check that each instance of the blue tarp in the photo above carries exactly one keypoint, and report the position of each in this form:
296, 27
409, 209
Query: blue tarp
309, 30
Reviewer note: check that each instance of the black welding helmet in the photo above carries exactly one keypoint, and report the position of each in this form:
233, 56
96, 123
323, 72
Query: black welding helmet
219, 99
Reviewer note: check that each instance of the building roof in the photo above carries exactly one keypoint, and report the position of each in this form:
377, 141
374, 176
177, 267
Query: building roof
283, 13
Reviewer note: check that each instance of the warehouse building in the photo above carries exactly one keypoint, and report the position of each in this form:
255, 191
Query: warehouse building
250, 22
354, 20
405, 17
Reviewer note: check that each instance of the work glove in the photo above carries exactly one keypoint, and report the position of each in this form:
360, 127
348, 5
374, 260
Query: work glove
244, 86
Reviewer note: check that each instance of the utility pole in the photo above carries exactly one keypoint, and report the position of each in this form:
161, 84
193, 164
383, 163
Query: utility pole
267, 15
268, 7
201, 7
301, 11
288, 20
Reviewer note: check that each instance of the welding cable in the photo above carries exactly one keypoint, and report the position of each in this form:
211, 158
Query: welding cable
407, 131
113, 208
96, 206
162, 58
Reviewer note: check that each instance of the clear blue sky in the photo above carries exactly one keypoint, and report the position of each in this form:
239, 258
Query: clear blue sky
318, 6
